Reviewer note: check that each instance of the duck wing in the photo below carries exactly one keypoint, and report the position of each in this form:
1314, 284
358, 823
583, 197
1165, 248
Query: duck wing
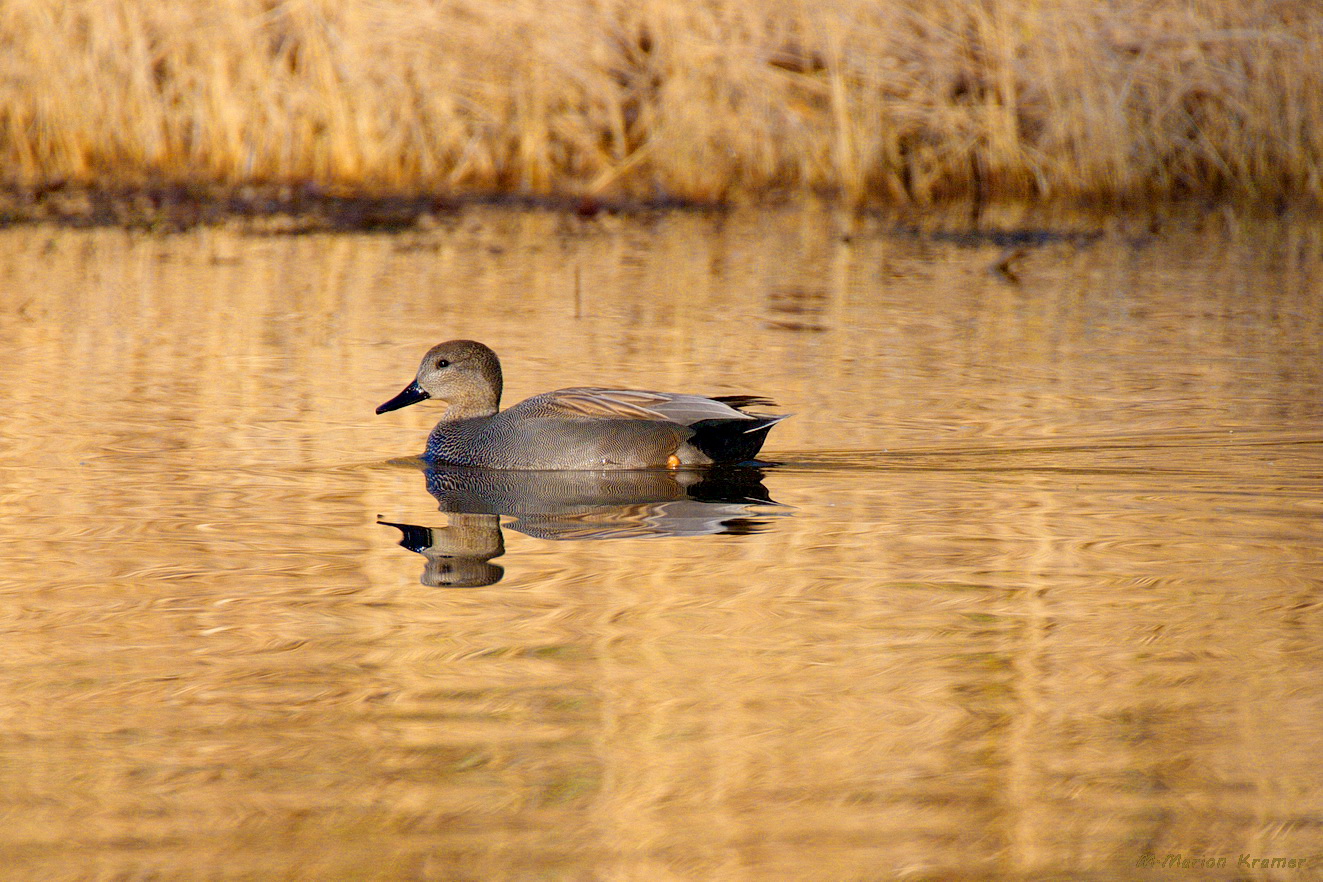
636, 404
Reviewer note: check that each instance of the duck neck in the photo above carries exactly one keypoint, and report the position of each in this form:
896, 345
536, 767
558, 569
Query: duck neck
471, 405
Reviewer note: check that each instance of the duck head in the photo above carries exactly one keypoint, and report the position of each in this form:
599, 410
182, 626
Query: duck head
463, 373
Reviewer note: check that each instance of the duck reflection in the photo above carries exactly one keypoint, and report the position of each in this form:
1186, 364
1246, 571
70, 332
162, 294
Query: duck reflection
458, 555
574, 506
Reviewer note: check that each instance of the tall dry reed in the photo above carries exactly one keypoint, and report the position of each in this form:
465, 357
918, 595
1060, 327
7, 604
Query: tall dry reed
871, 100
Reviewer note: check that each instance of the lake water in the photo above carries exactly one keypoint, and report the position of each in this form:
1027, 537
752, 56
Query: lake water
1033, 589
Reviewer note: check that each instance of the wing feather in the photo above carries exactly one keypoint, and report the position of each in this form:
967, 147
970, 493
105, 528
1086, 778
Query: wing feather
636, 404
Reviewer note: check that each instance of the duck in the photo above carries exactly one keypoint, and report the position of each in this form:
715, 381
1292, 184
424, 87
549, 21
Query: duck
579, 428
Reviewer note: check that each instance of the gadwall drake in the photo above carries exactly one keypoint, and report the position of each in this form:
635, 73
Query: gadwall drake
579, 428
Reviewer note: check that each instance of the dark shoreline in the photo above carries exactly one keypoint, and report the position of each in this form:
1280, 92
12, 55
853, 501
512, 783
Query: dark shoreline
279, 208
301, 209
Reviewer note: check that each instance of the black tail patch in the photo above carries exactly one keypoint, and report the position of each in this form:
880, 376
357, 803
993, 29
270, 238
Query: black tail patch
732, 440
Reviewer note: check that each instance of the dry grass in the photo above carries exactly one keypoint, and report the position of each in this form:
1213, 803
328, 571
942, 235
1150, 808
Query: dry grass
871, 100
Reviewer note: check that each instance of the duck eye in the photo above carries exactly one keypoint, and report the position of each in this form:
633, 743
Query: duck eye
442, 363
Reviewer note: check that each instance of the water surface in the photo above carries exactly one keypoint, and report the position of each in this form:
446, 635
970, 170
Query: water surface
1032, 591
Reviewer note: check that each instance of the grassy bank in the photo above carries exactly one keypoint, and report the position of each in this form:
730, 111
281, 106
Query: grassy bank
883, 101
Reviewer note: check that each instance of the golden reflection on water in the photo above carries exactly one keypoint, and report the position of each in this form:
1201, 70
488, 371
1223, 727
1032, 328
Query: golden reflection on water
1041, 594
